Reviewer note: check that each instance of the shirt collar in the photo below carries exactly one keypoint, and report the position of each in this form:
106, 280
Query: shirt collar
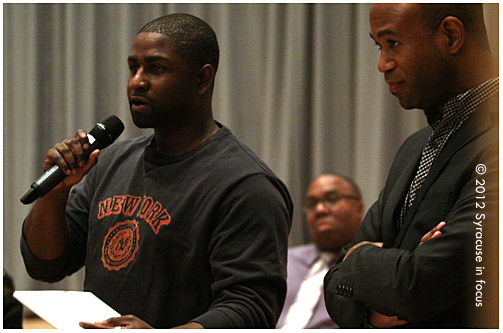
462, 105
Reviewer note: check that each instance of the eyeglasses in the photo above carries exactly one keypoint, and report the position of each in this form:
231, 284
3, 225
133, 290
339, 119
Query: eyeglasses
329, 201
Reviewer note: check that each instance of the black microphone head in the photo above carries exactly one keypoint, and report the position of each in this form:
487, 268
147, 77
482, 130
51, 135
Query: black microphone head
106, 131
113, 126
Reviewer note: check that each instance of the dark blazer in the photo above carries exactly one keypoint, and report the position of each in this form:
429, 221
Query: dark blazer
434, 284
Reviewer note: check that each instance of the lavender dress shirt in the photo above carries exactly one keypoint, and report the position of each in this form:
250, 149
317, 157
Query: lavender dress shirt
300, 259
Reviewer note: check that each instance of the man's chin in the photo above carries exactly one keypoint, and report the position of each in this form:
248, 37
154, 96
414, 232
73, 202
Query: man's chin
405, 104
408, 104
142, 120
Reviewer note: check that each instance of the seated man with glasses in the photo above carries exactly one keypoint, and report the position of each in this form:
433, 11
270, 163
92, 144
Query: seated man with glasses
334, 211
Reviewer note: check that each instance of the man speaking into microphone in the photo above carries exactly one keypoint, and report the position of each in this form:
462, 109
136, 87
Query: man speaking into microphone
186, 227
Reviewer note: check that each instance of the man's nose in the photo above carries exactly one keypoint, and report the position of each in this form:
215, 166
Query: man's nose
138, 81
385, 63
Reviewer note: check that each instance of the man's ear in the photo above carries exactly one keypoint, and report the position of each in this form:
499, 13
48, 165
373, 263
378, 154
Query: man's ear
205, 79
453, 31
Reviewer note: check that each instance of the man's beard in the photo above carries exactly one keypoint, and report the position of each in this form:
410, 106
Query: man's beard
160, 117
142, 120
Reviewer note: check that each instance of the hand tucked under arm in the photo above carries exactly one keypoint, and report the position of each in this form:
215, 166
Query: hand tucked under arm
433, 233
360, 244
381, 321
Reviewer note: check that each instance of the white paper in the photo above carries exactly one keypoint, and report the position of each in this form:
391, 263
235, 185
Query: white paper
65, 309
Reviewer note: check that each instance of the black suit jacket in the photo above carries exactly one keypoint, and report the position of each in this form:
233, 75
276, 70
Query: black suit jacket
432, 285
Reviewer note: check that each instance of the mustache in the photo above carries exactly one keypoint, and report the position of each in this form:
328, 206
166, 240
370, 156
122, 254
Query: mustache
139, 98
391, 77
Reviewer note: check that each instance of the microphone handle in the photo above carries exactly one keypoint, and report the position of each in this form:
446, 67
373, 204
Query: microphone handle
44, 184
53, 177
101, 136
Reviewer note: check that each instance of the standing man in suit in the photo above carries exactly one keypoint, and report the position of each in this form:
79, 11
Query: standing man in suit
413, 260
334, 212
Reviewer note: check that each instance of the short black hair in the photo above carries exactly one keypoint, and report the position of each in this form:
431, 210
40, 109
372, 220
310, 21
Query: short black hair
470, 14
352, 184
191, 37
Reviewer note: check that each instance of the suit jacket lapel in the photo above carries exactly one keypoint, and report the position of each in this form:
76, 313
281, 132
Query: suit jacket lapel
398, 192
474, 126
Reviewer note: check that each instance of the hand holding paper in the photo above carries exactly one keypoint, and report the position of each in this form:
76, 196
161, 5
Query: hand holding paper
66, 309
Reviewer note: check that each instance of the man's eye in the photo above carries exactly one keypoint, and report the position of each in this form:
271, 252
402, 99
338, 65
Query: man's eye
157, 68
333, 197
392, 43
133, 69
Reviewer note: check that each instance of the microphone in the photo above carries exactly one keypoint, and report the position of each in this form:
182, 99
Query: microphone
100, 137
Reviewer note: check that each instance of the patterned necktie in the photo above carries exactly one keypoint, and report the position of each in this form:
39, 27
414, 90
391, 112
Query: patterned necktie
308, 295
430, 151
